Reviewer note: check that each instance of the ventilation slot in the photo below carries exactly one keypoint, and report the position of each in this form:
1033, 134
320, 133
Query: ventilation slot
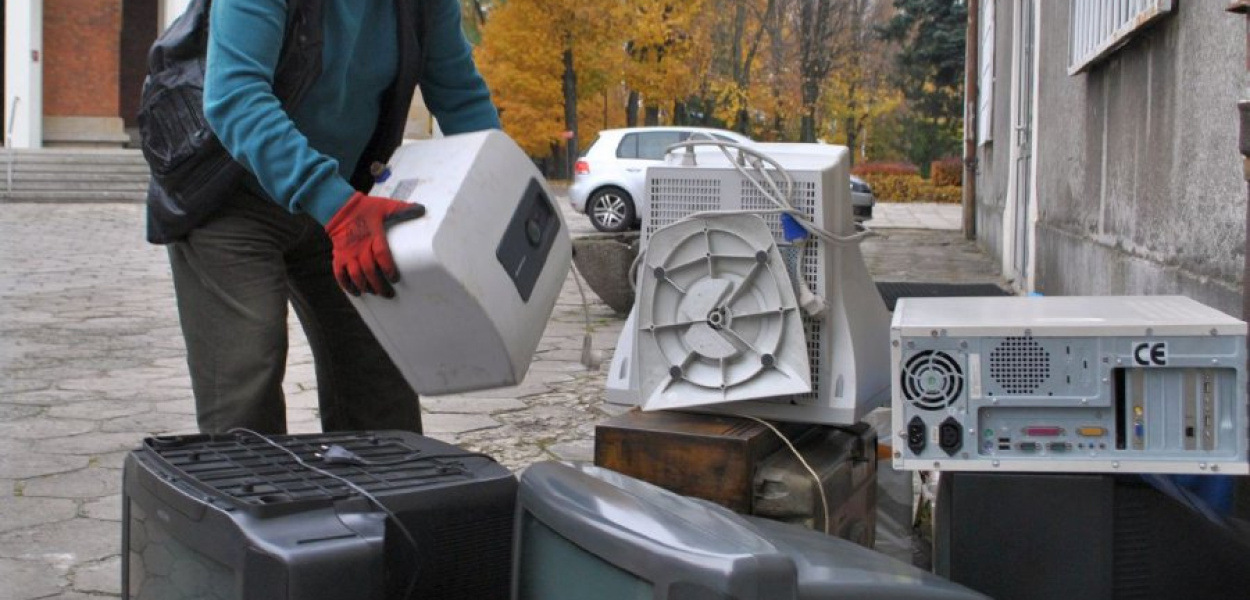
1019, 365
932, 380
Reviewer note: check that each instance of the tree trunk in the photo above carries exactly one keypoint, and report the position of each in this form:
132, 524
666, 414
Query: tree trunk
556, 168
631, 109
807, 126
479, 11
852, 137
652, 115
742, 64
816, 53
570, 107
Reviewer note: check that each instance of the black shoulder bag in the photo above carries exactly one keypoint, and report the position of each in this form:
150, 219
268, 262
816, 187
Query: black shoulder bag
192, 173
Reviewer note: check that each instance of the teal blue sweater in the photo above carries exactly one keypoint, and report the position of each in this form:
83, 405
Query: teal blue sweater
304, 160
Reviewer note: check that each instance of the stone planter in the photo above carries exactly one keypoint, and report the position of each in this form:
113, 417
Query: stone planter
603, 261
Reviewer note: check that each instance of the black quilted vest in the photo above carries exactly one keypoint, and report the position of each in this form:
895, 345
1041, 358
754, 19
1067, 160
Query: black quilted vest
192, 175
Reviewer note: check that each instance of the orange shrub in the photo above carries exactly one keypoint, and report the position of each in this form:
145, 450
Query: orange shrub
896, 187
884, 168
947, 172
947, 194
911, 188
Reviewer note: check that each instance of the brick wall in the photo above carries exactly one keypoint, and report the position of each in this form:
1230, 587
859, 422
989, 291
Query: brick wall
81, 42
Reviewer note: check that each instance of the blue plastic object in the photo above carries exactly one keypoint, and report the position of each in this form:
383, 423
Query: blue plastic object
791, 229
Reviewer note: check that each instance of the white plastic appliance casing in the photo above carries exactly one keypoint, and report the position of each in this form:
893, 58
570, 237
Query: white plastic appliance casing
1081, 341
717, 316
458, 321
848, 344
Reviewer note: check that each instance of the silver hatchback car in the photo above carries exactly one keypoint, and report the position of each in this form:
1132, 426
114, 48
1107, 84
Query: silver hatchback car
609, 178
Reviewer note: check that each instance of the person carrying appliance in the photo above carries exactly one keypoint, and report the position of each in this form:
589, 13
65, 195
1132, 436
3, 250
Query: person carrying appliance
304, 226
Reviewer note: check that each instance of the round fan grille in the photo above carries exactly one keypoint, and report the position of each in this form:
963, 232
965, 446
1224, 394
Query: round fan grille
1019, 365
932, 380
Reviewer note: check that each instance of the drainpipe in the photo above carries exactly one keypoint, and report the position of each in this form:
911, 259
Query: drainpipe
972, 65
1242, 494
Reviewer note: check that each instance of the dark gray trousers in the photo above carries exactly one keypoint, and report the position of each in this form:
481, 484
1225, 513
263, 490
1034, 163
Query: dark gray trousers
233, 277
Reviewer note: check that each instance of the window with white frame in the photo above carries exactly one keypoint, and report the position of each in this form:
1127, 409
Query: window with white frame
985, 79
1100, 27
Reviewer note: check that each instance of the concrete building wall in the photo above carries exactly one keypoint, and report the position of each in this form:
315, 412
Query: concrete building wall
993, 157
1139, 180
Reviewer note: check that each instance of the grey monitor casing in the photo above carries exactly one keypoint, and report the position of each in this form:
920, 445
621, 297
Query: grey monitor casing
689, 548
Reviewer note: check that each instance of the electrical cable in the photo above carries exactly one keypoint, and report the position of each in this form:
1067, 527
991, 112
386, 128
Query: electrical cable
338, 455
824, 502
590, 358
412, 541
778, 198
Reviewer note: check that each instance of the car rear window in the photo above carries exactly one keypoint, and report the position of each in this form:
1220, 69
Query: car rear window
628, 148
648, 145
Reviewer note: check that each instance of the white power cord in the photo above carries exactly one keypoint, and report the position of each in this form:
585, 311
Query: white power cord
775, 195
591, 358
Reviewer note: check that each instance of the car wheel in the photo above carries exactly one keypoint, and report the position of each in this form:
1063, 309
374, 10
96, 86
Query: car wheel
611, 210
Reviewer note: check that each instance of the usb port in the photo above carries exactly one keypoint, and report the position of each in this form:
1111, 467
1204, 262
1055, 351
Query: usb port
1038, 431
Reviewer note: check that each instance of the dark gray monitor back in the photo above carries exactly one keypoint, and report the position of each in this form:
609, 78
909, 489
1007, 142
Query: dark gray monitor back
1038, 536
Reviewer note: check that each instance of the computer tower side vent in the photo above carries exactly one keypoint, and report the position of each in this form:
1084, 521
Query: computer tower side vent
1019, 365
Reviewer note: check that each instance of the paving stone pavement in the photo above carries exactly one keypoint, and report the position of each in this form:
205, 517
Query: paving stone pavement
92, 361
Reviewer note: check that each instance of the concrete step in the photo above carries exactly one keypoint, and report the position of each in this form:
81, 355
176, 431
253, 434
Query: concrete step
73, 175
27, 185
65, 169
101, 175
72, 156
71, 197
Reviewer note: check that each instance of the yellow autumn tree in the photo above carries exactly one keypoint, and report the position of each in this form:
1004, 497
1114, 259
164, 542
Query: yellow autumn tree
535, 55
523, 72
660, 43
737, 36
860, 92
774, 69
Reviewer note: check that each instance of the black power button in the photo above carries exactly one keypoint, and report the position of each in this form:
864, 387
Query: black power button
533, 231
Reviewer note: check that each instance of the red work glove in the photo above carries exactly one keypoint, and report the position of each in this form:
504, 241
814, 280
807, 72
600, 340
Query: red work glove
362, 258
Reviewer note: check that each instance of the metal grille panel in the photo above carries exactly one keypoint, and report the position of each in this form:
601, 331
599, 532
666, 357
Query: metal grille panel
803, 197
1019, 365
672, 199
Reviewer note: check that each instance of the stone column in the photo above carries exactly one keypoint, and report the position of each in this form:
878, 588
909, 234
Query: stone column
23, 73
1242, 494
